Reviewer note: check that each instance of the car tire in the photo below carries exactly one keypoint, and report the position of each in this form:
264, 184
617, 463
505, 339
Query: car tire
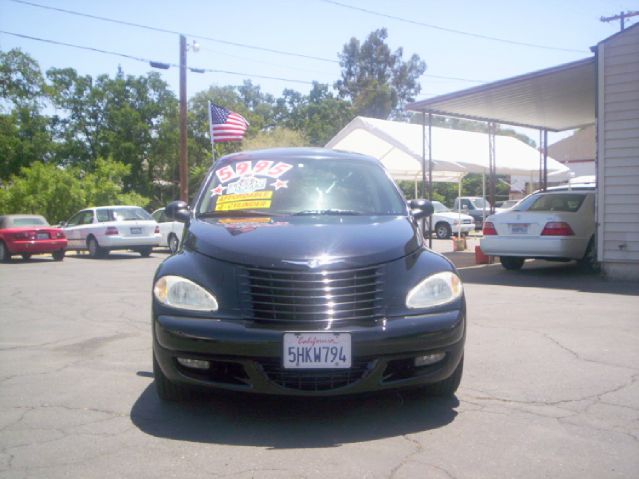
589, 262
173, 243
511, 263
442, 230
5, 256
448, 386
145, 252
95, 250
58, 255
168, 390
26, 256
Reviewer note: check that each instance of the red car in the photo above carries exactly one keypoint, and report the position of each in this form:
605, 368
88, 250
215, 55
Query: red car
30, 234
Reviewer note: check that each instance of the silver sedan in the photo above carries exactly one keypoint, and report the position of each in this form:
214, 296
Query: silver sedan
554, 225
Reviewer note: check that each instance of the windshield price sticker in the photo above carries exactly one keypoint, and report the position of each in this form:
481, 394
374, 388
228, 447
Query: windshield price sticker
245, 168
317, 351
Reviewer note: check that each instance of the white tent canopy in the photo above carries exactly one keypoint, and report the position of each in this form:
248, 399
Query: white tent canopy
455, 152
397, 145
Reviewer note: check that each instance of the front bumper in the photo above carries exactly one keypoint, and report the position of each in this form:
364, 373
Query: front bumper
245, 356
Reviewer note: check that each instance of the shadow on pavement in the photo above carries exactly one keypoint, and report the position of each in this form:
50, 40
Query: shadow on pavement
284, 422
550, 275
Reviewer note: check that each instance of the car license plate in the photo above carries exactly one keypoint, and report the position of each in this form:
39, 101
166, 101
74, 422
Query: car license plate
136, 231
42, 236
519, 228
317, 351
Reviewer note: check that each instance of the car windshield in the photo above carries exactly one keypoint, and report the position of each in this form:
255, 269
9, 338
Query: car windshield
29, 221
300, 187
440, 208
130, 214
480, 203
565, 202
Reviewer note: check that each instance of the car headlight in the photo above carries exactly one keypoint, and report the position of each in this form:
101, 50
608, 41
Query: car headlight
182, 293
438, 289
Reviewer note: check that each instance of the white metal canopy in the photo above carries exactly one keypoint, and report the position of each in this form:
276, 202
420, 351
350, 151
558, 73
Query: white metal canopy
554, 99
399, 146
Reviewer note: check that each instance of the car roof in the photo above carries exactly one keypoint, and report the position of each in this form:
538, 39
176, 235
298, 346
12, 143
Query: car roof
112, 206
292, 154
21, 216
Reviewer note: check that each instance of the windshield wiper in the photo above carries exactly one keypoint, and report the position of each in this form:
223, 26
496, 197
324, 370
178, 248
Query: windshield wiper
330, 211
234, 213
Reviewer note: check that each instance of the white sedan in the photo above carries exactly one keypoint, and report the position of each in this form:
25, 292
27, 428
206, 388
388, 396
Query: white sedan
447, 222
554, 225
170, 230
105, 228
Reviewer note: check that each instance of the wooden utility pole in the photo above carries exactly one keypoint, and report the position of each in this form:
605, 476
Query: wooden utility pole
622, 17
184, 160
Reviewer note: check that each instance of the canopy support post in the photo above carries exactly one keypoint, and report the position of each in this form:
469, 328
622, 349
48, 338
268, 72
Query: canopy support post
430, 171
492, 166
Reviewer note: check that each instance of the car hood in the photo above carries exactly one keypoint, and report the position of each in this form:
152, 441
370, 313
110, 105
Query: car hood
304, 242
451, 216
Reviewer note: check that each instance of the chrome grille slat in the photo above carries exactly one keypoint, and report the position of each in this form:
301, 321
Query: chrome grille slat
322, 296
315, 297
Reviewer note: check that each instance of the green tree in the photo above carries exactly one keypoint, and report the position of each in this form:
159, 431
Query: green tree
57, 193
119, 117
377, 81
25, 134
274, 138
318, 116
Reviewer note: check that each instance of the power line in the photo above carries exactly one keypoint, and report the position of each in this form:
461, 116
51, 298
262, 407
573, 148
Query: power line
450, 30
200, 37
174, 32
146, 60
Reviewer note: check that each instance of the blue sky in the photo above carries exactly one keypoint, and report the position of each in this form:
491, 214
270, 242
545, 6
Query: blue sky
316, 28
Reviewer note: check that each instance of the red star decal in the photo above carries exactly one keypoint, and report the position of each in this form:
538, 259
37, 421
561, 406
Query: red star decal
218, 190
280, 184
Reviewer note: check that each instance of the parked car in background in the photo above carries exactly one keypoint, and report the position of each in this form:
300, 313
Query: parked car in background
475, 206
106, 228
170, 230
556, 225
303, 272
30, 234
447, 222
505, 205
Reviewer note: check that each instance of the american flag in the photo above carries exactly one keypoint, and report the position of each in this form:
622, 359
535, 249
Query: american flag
226, 125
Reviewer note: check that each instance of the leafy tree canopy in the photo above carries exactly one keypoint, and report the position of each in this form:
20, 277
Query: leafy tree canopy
377, 81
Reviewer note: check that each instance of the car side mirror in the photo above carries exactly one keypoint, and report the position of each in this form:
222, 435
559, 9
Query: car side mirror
465, 209
421, 208
178, 211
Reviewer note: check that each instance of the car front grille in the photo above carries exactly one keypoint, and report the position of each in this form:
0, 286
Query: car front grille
353, 295
316, 379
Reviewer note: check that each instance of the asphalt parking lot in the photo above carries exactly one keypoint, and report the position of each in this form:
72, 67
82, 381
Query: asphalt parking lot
550, 388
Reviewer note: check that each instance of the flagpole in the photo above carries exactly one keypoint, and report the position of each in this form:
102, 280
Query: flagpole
211, 135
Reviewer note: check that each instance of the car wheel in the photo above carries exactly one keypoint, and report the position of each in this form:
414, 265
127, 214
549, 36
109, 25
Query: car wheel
448, 386
146, 251
5, 257
442, 231
26, 256
58, 255
511, 262
95, 251
589, 262
174, 243
168, 390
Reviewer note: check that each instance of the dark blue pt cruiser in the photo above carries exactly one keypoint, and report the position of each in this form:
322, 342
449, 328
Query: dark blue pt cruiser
304, 272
